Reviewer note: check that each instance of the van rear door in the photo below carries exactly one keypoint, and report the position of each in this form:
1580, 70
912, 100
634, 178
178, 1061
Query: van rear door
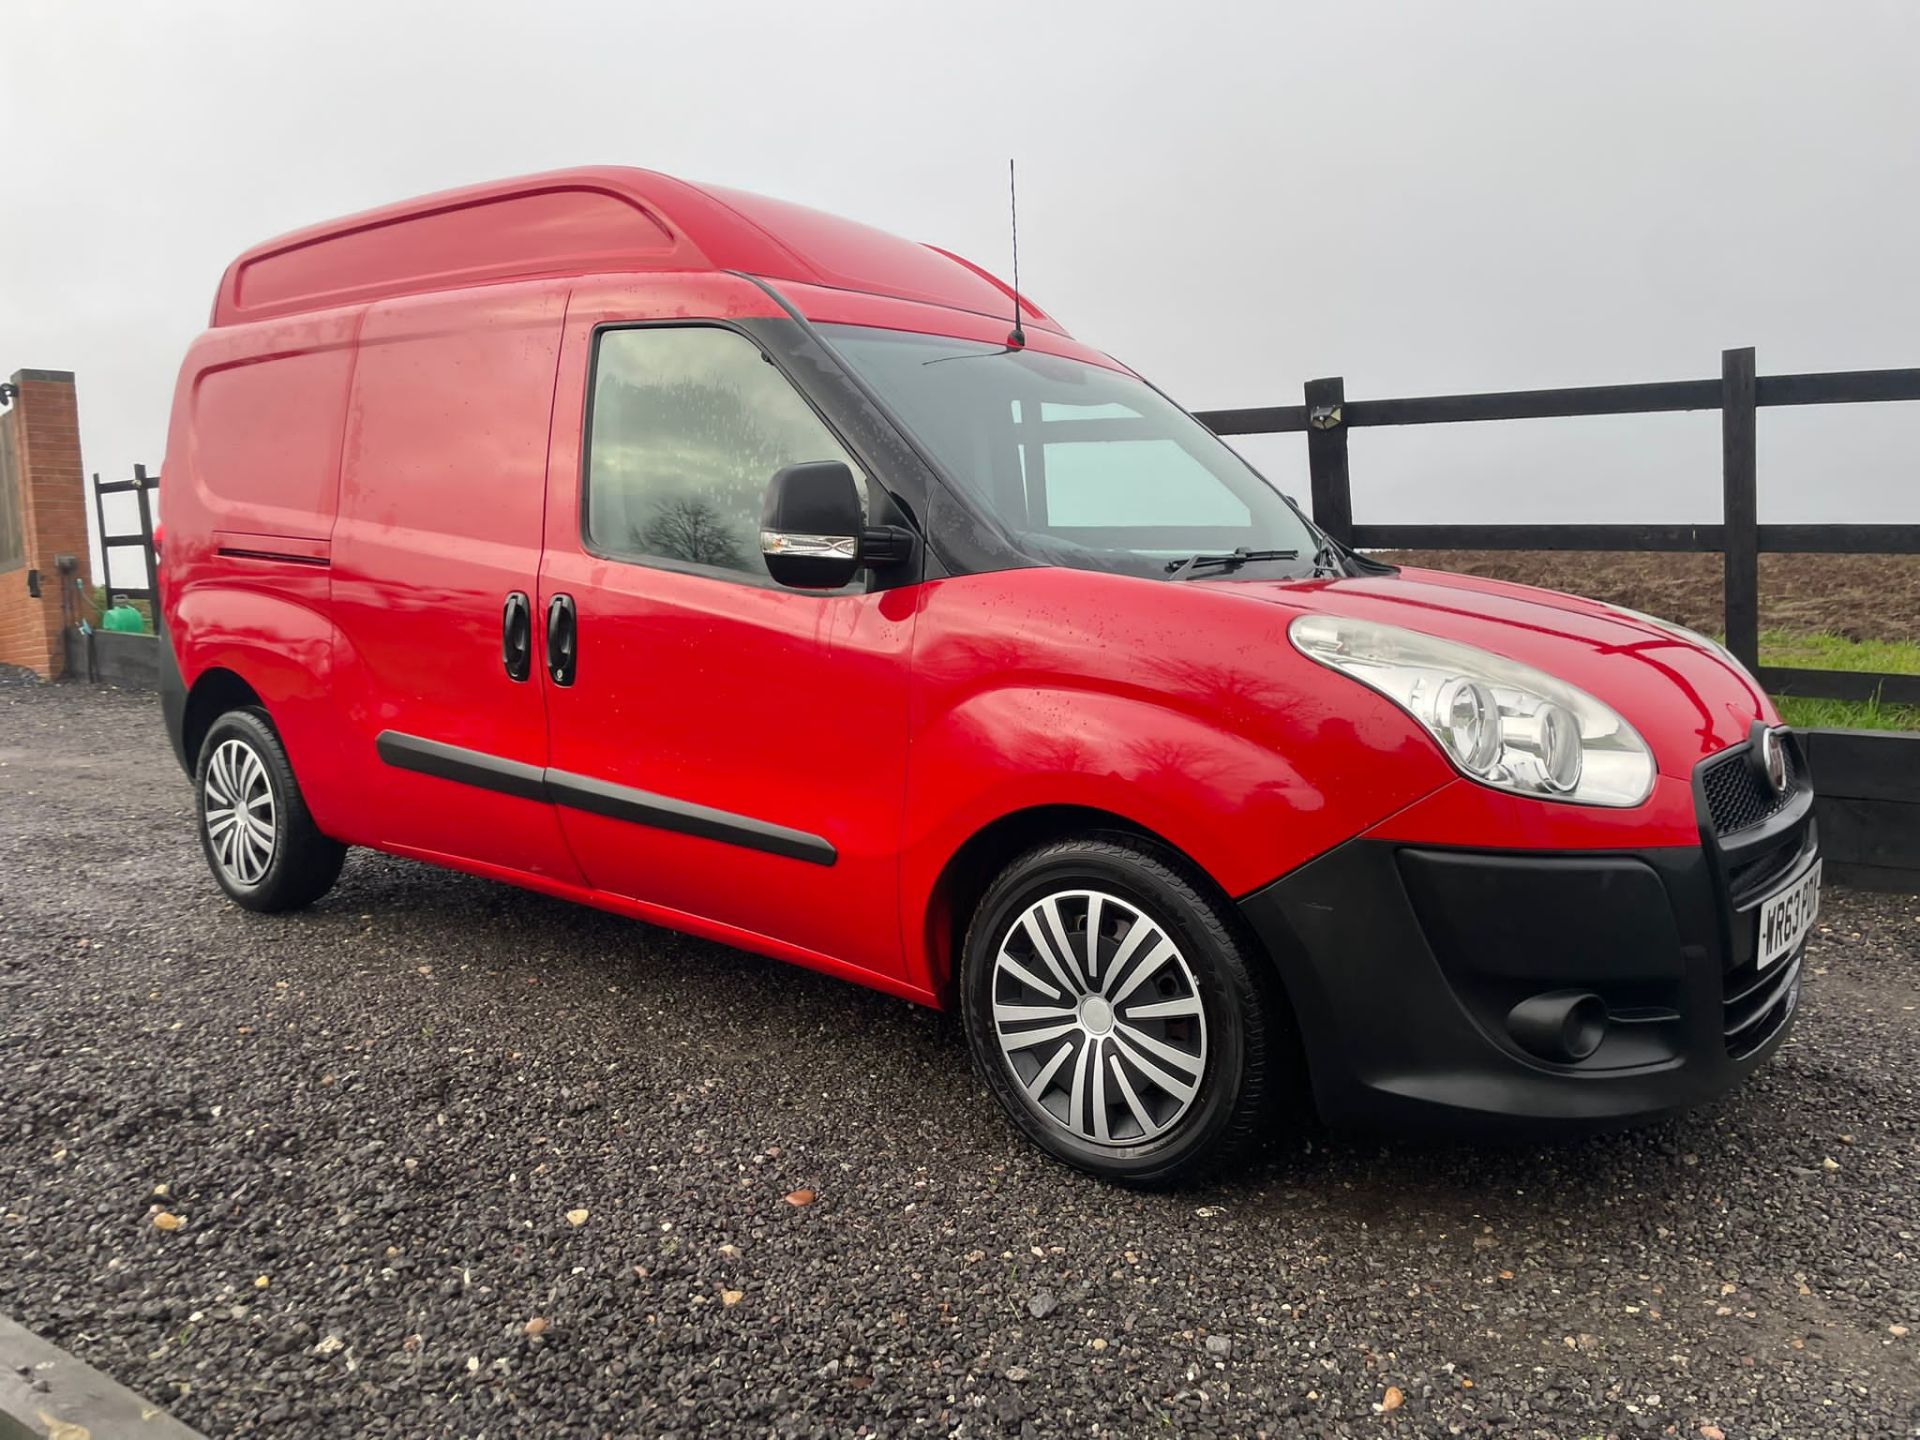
441, 497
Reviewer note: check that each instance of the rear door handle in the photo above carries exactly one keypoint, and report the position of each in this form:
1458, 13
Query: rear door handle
563, 639
516, 636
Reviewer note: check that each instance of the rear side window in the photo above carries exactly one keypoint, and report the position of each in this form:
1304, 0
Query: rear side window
689, 424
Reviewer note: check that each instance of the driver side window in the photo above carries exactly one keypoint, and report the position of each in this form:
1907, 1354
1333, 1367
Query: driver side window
689, 423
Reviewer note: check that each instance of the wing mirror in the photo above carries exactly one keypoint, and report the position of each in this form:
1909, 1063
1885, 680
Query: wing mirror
813, 535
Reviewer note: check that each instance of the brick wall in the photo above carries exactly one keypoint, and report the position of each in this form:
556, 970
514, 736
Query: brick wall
43, 428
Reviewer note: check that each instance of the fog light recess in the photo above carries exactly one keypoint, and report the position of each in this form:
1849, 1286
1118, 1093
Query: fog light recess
1562, 1025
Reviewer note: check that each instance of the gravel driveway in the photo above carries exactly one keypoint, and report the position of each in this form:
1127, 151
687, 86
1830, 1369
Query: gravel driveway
453, 1159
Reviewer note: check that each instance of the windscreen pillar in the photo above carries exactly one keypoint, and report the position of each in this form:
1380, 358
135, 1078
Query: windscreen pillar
43, 519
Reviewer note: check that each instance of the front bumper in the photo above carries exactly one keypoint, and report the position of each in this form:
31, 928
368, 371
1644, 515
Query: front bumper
1403, 962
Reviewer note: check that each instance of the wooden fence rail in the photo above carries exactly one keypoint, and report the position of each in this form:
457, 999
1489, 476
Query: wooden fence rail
1328, 415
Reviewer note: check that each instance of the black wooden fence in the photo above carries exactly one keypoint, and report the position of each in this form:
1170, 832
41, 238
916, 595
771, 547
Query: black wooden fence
1327, 415
141, 486
111, 656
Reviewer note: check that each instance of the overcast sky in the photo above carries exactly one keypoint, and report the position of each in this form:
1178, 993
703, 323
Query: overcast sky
1422, 197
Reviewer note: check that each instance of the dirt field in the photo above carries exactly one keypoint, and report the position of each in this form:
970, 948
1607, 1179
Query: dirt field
1863, 597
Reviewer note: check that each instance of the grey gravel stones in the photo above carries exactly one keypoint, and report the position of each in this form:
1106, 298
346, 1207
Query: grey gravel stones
397, 1152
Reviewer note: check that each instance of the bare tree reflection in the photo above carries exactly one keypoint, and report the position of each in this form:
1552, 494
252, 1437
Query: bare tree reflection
689, 528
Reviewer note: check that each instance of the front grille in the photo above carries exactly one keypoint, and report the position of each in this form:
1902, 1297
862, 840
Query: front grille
1738, 795
1758, 839
1758, 870
1762, 1005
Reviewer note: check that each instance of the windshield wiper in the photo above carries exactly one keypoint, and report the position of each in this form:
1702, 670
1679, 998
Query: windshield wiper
1180, 569
1328, 560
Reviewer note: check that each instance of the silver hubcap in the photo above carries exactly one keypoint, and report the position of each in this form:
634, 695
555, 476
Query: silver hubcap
238, 802
1098, 1018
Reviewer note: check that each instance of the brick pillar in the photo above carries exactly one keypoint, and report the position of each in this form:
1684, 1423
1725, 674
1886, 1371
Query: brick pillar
49, 519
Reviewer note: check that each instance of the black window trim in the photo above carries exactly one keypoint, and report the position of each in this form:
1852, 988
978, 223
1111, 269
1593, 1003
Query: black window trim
862, 584
986, 546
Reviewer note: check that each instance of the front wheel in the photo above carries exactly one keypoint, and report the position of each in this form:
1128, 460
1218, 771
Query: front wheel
1119, 1011
260, 842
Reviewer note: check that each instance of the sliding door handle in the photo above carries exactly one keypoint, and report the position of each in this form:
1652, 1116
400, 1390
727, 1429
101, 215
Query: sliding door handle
563, 639
516, 636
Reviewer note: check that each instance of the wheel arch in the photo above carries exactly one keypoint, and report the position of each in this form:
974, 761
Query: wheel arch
984, 854
971, 870
213, 693
234, 646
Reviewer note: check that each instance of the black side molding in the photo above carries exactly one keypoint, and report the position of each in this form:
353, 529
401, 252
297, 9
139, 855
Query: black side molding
599, 797
469, 767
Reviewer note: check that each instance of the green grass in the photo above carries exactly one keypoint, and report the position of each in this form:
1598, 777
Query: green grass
1836, 652
1805, 714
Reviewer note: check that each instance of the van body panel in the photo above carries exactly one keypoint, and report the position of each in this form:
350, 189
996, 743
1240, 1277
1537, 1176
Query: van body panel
654, 914
772, 707
441, 500
552, 230
264, 414
282, 645
827, 305
603, 219
844, 255
1046, 687
252, 466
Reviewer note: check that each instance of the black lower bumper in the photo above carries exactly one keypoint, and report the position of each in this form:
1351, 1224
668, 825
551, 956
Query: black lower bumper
1404, 965
173, 694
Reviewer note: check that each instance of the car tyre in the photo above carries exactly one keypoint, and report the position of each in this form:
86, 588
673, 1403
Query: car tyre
1183, 1026
258, 837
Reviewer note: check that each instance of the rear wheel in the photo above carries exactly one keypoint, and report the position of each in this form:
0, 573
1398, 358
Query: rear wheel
260, 842
1118, 1010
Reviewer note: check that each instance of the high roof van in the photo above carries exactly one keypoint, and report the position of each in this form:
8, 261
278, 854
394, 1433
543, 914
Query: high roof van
752, 572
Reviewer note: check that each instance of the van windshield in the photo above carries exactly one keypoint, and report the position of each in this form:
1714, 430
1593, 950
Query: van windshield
1083, 466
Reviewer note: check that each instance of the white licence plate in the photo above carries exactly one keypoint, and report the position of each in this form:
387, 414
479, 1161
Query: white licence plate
1786, 917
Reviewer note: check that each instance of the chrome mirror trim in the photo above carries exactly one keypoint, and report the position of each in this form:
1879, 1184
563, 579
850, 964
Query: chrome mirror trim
823, 547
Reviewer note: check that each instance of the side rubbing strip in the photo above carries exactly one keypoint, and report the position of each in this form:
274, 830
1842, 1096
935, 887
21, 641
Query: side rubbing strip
598, 797
469, 767
283, 557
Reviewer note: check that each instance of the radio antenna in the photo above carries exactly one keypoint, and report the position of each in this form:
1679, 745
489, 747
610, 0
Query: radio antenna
1016, 340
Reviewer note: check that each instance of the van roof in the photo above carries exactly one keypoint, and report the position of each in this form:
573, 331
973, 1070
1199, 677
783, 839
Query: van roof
592, 220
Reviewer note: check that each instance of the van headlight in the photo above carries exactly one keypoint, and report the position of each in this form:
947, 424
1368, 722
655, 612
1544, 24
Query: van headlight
1502, 723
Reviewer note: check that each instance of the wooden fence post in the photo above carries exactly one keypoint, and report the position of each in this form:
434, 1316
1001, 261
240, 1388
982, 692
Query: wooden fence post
146, 483
1327, 458
106, 553
1741, 519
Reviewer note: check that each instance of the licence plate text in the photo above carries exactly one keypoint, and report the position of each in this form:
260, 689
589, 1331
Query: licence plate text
1786, 917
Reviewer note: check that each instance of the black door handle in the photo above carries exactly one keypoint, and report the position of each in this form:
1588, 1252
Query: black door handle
562, 639
516, 636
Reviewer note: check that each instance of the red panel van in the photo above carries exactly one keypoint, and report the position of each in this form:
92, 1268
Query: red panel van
755, 573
